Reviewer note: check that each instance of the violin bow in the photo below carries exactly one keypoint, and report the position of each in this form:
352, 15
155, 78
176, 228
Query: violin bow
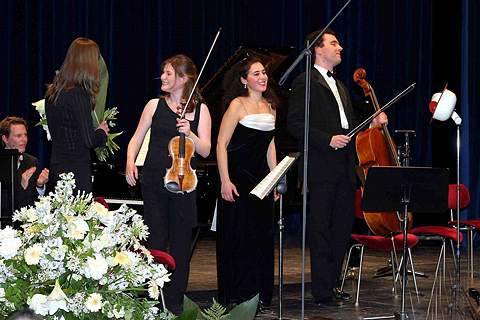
385, 107
200, 73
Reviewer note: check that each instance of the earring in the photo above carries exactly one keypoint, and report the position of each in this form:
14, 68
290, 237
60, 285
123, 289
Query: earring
245, 86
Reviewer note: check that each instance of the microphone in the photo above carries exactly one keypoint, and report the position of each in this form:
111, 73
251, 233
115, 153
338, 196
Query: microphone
442, 106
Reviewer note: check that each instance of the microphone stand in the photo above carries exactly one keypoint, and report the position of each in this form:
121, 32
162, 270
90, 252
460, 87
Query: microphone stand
308, 65
456, 287
281, 189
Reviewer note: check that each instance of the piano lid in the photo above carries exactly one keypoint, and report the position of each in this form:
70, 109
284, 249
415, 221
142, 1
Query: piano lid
212, 91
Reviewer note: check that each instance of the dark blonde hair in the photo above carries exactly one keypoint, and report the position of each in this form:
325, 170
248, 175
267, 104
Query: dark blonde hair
184, 67
79, 69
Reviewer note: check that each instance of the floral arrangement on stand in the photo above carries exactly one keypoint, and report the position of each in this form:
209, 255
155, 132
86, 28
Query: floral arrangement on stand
75, 259
99, 114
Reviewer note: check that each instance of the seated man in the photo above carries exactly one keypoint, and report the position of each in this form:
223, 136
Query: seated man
13, 132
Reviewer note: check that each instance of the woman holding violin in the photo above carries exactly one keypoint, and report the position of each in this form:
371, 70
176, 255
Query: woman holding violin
170, 216
245, 155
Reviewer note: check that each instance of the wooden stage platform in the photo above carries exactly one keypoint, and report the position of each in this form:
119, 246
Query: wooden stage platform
376, 296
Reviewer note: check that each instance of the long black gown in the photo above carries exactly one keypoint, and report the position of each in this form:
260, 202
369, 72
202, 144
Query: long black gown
170, 217
245, 245
73, 136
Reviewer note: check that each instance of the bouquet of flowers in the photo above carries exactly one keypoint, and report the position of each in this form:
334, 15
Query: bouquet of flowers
75, 259
99, 114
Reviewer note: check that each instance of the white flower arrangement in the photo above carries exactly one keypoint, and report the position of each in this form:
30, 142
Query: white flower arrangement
74, 259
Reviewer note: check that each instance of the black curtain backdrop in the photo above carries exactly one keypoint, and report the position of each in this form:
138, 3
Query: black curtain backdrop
398, 42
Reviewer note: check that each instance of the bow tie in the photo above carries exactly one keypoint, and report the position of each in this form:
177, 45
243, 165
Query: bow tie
330, 74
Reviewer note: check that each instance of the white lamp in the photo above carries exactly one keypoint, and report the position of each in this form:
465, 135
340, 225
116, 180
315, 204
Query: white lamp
442, 105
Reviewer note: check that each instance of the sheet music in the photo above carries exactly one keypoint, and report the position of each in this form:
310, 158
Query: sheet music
265, 186
140, 160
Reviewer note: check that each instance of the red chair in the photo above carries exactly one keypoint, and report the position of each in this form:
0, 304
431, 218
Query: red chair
102, 201
168, 261
443, 234
158, 255
465, 225
377, 243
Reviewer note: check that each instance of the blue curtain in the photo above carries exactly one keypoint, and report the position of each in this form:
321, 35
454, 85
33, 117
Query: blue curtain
470, 102
398, 42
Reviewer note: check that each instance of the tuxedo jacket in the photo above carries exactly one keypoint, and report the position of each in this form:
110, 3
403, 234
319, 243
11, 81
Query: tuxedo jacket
325, 164
27, 196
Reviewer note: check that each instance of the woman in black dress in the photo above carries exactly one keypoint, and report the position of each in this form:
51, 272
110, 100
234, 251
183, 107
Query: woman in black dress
69, 102
245, 155
170, 216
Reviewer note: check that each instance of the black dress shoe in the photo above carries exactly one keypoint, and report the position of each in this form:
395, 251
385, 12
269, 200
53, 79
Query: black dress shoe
341, 295
327, 303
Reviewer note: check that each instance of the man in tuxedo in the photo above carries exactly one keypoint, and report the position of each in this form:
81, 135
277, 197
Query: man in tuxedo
331, 165
32, 180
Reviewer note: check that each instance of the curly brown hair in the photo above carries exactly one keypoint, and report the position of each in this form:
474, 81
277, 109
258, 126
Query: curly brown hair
233, 86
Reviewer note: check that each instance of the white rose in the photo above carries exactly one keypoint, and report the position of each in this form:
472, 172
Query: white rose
102, 213
7, 233
77, 228
31, 215
9, 247
99, 208
104, 241
96, 267
38, 303
94, 302
33, 254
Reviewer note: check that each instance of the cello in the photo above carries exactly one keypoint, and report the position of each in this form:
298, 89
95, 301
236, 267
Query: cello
375, 147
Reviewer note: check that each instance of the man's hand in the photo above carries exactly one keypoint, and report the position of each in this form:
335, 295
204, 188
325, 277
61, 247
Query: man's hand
339, 141
26, 176
42, 178
380, 119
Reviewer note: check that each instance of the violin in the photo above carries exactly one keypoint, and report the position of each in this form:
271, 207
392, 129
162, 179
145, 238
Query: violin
180, 177
375, 147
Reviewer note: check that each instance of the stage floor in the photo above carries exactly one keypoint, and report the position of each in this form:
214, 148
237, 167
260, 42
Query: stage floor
376, 296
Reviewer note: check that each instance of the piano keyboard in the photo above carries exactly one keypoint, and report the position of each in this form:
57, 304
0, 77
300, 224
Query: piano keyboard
132, 202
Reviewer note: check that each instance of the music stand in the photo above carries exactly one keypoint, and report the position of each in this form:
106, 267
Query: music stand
405, 189
277, 180
8, 181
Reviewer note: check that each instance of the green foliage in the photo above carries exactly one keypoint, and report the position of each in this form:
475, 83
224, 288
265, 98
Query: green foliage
99, 114
101, 98
243, 311
215, 312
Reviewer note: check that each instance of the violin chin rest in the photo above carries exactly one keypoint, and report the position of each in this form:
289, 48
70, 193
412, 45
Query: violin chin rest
172, 187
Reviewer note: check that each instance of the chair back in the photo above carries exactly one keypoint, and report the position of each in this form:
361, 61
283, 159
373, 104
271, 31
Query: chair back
452, 196
102, 201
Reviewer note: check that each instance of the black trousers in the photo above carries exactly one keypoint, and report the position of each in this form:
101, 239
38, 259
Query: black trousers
170, 218
329, 224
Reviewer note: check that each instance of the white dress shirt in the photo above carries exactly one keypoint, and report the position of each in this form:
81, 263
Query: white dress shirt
333, 86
